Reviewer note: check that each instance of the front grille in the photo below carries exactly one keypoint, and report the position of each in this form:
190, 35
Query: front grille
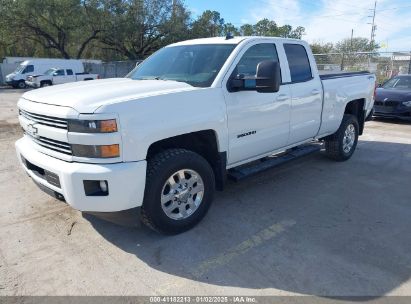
50, 121
50, 177
52, 144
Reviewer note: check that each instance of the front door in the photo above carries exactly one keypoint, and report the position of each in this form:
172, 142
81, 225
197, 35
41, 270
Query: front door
59, 76
258, 123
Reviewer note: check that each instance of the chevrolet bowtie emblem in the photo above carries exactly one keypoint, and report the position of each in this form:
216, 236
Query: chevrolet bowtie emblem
32, 130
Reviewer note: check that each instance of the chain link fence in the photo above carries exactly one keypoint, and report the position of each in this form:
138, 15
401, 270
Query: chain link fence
384, 64
111, 69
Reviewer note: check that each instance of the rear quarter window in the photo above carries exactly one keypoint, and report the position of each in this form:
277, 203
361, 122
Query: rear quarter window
298, 62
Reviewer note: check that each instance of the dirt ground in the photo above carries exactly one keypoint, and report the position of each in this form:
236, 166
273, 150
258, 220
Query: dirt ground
312, 227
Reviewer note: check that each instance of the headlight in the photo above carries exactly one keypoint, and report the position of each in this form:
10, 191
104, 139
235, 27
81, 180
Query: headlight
407, 103
93, 151
92, 126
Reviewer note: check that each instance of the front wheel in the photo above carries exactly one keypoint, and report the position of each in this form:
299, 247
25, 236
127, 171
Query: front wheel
341, 145
179, 191
21, 84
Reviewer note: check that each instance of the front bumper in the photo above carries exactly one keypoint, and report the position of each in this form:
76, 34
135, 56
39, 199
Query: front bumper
126, 181
12, 82
32, 84
391, 109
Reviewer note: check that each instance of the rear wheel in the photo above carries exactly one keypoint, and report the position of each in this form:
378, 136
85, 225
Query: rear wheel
179, 191
341, 145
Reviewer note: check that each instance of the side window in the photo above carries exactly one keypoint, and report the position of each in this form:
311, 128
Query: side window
298, 62
59, 73
28, 69
69, 72
247, 65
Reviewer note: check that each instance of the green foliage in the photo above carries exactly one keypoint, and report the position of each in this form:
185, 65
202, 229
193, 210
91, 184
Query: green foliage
209, 24
322, 48
112, 29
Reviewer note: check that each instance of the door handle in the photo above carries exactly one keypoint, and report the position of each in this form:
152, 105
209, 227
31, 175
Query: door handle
282, 97
315, 92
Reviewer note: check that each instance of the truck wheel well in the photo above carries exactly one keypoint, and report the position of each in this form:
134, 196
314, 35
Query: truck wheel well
202, 142
356, 107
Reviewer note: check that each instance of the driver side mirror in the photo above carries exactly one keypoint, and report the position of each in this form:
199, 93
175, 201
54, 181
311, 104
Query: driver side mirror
266, 80
268, 76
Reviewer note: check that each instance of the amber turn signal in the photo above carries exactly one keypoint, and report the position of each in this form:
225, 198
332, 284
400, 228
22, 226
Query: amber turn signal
107, 126
110, 151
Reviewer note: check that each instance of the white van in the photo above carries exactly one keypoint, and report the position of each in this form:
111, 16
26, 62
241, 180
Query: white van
38, 67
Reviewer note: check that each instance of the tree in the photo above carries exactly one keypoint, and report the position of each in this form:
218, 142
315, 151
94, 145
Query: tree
354, 53
265, 27
356, 44
229, 28
321, 48
112, 29
137, 28
246, 30
209, 24
56, 25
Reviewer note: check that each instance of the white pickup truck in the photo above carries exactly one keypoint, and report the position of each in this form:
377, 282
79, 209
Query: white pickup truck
58, 76
166, 136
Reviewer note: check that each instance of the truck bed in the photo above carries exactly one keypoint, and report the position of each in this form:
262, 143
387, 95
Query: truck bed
324, 75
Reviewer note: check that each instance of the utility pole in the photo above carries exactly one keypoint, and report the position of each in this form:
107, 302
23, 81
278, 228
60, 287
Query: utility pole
373, 26
352, 34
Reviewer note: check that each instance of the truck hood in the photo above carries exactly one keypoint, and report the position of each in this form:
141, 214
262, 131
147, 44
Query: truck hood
87, 96
10, 76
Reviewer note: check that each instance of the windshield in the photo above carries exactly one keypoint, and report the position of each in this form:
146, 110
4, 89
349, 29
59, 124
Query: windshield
49, 72
20, 69
197, 65
399, 83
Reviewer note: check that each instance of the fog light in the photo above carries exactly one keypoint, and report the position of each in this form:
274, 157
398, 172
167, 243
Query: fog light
95, 187
103, 186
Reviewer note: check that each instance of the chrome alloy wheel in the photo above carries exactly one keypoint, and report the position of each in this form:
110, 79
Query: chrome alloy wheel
182, 194
349, 138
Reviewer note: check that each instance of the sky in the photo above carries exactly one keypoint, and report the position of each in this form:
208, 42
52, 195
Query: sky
324, 20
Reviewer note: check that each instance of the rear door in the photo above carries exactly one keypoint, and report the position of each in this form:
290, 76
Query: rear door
306, 92
70, 77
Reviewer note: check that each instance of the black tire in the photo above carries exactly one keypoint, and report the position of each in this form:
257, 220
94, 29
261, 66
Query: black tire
159, 169
21, 84
45, 84
334, 144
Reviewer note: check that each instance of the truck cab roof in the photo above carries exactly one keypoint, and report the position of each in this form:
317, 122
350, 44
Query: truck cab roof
231, 40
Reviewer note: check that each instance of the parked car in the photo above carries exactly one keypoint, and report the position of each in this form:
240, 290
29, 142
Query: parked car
38, 67
166, 136
393, 98
58, 76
